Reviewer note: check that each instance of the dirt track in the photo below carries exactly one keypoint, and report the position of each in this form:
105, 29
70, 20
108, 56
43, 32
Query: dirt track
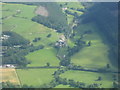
42, 11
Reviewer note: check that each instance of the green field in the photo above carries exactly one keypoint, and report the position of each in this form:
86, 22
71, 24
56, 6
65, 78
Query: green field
17, 18
73, 11
70, 18
62, 86
25, 10
25, 27
35, 77
72, 5
94, 56
41, 57
75, 5
89, 77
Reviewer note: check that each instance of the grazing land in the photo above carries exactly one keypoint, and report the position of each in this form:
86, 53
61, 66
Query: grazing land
41, 57
94, 56
35, 77
90, 77
27, 28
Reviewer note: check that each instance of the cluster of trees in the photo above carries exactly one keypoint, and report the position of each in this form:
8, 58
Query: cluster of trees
71, 51
65, 58
13, 39
71, 13
11, 85
51, 23
16, 55
37, 39
49, 35
71, 82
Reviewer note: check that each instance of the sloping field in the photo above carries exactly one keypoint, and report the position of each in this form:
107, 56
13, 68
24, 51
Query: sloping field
9, 75
19, 10
23, 25
90, 78
41, 57
35, 77
72, 5
95, 55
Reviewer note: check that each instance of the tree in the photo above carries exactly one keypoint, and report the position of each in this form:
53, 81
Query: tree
48, 64
114, 77
99, 78
49, 35
116, 85
108, 66
89, 43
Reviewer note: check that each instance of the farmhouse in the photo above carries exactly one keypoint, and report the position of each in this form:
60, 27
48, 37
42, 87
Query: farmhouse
64, 8
4, 37
8, 66
17, 46
62, 37
61, 42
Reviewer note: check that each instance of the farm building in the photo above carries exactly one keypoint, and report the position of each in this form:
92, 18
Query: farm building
8, 66
4, 37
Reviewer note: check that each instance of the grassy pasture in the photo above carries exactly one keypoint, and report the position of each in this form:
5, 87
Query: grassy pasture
72, 5
9, 75
25, 10
25, 27
94, 56
41, 57
73, 11
75, 5
35, 77
89, 78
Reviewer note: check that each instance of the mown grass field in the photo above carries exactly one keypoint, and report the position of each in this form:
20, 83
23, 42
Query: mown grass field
90, 78
41, 57
94, 56
9, 75
35, 77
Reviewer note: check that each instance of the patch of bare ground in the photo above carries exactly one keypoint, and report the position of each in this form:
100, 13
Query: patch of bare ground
42, 11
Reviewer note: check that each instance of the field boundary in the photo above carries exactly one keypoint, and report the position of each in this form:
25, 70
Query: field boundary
18, 78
